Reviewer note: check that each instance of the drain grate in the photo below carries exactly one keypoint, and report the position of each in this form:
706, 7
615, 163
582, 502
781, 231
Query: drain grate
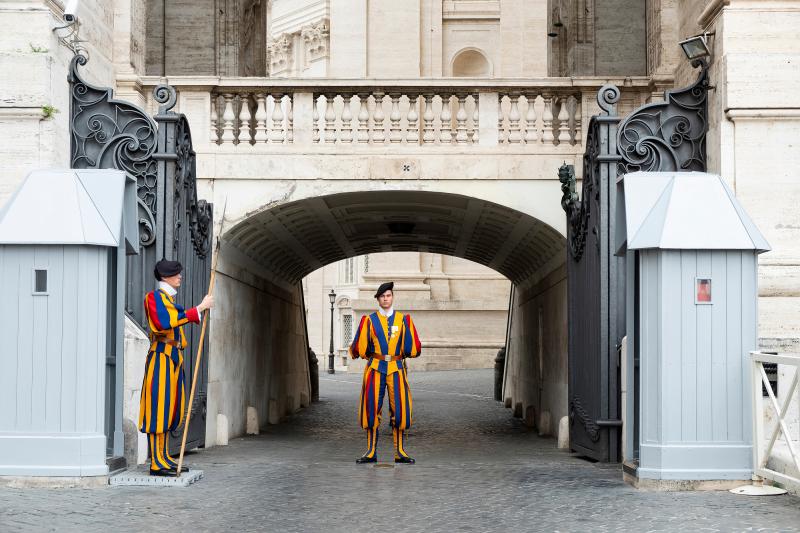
144, 479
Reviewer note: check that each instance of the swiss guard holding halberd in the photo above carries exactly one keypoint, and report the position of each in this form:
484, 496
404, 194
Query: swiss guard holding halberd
385, 339
163, 401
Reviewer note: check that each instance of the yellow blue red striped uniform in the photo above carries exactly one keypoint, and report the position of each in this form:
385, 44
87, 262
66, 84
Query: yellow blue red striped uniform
378, 336
163, 398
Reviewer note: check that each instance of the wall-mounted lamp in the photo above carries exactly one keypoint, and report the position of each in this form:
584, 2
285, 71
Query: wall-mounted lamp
697, 46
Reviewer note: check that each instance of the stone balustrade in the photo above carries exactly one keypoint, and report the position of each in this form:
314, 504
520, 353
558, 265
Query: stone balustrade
278, 114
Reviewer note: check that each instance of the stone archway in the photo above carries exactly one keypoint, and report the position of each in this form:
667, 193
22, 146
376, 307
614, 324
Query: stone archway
267, 251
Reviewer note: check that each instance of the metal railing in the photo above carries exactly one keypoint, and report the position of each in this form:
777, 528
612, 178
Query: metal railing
784, 402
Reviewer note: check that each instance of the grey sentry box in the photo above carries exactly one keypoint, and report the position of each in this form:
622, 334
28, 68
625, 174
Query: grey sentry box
692, 293
64, 236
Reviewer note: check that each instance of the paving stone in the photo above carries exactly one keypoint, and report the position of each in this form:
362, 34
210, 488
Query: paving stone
478, 469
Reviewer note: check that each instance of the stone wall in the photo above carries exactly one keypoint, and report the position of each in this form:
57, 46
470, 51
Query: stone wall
536, 377
257, 353
754, 118
190, 38
34, 96
597, 37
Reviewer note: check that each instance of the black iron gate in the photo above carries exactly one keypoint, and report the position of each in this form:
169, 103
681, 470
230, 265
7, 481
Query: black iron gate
595, 302
663, 136
173, 223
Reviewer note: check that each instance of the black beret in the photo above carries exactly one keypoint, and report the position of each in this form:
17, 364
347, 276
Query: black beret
165, 269
388, 286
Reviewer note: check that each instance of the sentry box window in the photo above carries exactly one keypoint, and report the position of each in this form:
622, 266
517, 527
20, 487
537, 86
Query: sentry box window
39, 281
702, 293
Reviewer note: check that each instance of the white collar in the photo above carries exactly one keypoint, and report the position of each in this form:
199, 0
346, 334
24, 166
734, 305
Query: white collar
166, 287
388, 313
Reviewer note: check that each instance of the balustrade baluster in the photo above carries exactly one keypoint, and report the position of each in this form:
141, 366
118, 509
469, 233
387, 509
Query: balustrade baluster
378, 135
428, 136
547, 118
412, 129
330, 119
446, 129
227, 120
261, 118
315, 128
514, 136
578, 121
289, 119
347, 119
244, 119
531, 134
563, 123
502, 137
475, 119
461, 120
363, 119
276, 132
213, 120
394, 117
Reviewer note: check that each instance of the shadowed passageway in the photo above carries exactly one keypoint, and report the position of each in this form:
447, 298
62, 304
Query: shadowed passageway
478, 469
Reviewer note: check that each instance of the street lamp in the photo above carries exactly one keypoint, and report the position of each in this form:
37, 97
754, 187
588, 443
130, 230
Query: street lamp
332, 297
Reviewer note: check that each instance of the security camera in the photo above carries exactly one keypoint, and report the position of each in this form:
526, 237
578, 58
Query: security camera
69, 11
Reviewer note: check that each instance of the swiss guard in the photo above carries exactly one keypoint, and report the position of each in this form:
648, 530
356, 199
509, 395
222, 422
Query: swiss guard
385, 339
163, 400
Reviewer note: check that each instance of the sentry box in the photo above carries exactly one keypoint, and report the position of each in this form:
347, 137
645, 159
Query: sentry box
692, 289
64, 237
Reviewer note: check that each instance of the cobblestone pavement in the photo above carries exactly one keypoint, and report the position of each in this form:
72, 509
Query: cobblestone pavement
478, 469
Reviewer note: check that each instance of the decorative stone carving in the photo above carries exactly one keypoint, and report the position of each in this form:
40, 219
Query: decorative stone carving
316, 37
280, 54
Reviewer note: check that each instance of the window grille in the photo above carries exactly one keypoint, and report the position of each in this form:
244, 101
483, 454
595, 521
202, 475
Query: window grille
347, 329
366, 264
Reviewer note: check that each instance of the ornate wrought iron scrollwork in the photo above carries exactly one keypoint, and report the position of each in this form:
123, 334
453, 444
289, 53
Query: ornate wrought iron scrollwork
579, 211
198, 212
109, 133
577, 411
668, 135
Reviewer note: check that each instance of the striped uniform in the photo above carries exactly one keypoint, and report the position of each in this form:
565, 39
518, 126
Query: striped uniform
163, 399
378, 336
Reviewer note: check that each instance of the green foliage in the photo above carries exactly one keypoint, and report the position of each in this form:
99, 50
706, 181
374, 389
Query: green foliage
38, 49
48, 111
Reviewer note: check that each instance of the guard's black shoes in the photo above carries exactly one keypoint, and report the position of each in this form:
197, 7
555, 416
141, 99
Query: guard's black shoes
364, 459
404, 459
183, 469
163, 473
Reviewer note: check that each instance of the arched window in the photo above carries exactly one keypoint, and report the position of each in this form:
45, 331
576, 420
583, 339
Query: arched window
471, 63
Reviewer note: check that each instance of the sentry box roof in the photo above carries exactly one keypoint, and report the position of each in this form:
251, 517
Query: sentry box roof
684, 210
81, 207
